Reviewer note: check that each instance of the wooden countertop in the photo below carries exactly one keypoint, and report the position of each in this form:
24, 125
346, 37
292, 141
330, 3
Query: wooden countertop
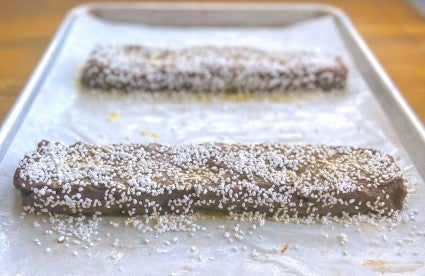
393, 30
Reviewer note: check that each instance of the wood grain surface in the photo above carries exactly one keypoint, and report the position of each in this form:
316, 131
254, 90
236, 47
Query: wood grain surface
393, 30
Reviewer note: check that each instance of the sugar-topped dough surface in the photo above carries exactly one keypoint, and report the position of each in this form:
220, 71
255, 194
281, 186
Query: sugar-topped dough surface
211, 69
268, 179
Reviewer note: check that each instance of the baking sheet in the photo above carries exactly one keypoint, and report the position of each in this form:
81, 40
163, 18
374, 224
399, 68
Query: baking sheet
350, 118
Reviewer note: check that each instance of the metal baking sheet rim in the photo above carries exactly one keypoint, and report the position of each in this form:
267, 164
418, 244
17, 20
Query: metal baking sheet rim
404, 121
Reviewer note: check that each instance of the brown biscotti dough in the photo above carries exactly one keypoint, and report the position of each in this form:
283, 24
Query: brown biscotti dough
273, 180
130, 68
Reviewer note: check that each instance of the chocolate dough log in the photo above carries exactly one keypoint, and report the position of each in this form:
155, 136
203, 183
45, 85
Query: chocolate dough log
274, 180
210, 69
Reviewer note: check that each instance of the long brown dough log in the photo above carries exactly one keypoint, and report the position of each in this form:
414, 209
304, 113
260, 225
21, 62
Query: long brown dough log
131, 68
273, 180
